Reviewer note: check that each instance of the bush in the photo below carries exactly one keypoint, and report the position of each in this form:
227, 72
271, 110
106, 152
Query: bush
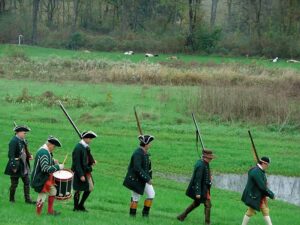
105, 43
205, 40
76, 41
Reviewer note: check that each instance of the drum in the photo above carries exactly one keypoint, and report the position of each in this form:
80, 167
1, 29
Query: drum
63, 180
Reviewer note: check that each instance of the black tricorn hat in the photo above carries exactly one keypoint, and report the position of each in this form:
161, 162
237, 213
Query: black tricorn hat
54, 141
88, 134
20, 128
146, 139
265, 159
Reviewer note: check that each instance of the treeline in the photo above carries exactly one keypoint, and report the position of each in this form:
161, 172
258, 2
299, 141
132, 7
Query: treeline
267, 28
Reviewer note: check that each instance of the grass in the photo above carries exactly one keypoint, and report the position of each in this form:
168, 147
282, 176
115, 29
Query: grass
40, 53
109, 204
107, 109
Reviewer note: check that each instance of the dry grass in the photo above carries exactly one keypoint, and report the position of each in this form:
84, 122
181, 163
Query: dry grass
230, 91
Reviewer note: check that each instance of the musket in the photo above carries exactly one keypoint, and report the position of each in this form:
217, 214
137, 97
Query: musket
255, 155
89, 155
137, 121
70, 119
198, 135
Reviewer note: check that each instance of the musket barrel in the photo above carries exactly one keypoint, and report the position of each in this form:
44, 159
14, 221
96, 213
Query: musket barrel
69, 118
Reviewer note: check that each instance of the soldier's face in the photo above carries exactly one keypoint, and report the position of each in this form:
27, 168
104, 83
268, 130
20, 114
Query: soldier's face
265, 165
21, 134
87, 140
148, 146
51, 147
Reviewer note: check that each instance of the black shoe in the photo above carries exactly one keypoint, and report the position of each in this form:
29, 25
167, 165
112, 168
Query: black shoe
82, 209
54, 213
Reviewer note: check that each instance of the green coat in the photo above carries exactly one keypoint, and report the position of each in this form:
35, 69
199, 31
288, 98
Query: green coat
201, 181
43, 166
256, 188
80, 166
139, 172
16, 145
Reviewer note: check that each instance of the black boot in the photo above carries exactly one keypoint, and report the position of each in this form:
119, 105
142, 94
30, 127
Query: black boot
76, 200
207, 207
26, 182
13, 187
189, 209
132, 212
133, 207
147, 206
145, 212
12, 192
83, 199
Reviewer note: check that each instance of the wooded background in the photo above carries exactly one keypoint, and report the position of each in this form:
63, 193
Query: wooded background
267, 28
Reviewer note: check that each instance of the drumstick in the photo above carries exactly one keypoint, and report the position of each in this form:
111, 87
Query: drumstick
65, 158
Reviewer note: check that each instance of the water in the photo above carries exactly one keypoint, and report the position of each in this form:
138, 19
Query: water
285, 188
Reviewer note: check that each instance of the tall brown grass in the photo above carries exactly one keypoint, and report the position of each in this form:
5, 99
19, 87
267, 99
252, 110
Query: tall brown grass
231, 91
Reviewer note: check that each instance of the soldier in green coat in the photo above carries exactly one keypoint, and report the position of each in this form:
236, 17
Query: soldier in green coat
256, 192
18, 165
82, 166
199, 187
139, 176
42, 179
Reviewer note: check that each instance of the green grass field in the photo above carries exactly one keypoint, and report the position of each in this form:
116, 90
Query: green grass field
39, 53
107, 109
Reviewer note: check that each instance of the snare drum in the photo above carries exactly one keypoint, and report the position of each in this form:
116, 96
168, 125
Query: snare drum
63, 181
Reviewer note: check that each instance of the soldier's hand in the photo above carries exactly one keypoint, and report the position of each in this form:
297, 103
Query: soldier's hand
82, 178
55, 161
31, 157
198, 196
150, 182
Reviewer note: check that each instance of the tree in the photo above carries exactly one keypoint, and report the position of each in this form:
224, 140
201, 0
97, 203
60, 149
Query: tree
35, 10
213, 13
2, 5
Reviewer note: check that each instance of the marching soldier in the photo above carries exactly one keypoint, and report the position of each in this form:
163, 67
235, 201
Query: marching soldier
199, 187
42, 176
139, 176
82, 162
256, 192
18, 165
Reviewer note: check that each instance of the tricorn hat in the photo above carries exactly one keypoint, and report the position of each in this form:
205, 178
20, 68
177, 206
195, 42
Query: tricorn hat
88, 134
146, 139
265, 159
20, 128
54, 141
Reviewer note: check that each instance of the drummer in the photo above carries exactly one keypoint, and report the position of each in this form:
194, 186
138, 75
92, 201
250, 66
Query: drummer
42, 179
82, 162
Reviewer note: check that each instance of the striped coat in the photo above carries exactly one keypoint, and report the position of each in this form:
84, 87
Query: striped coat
43, 167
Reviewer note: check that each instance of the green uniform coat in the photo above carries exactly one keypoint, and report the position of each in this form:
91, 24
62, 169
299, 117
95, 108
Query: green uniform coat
256, 188
16, 146
80, 167
201, 181
139, 172
43, 166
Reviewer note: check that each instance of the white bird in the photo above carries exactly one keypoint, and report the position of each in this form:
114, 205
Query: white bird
151, 55
129, 53
275, 60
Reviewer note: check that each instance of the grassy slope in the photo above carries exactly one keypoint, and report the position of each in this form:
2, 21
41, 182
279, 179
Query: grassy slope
39, 53
173, 151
